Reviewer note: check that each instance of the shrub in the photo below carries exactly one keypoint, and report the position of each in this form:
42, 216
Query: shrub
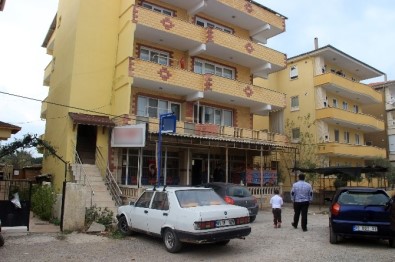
43, 199
96, 214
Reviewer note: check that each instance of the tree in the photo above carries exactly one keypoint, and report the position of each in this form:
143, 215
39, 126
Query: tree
19, 159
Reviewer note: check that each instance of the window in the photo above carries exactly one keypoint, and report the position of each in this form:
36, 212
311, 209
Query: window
153, 55
334, 102
357, 142
144, 200
355, 109
294, 103
157, 9
346, 137
152, 107
295, 134
337, 136
345, 105
206, 67
212, 115
205, 23
293, 72
160, 201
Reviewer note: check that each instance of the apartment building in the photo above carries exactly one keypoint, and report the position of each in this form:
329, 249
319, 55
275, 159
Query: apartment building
325, 107
118, 65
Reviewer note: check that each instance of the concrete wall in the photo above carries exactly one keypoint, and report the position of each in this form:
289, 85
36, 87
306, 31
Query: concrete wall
74, 208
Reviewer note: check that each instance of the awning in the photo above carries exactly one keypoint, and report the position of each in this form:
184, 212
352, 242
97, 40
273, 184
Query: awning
94, 120
350, 171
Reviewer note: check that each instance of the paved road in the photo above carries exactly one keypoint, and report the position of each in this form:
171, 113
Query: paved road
264, 244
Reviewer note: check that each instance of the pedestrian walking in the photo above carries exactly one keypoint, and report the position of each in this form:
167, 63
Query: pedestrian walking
276, 201
301, 195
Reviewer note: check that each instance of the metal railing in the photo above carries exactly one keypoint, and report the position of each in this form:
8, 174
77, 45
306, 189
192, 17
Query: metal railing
110, 181
81, 170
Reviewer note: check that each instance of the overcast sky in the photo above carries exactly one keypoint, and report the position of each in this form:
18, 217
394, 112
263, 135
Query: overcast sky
363, 29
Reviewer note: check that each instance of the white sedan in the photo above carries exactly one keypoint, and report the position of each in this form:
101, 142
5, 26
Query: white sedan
184, 214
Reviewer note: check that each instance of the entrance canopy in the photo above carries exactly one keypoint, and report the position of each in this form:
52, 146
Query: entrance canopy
350, 171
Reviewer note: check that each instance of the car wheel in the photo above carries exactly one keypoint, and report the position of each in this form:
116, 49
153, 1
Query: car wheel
333, 238
123, 226
392, 242
252, 218
171, 241
1, 241
223, 243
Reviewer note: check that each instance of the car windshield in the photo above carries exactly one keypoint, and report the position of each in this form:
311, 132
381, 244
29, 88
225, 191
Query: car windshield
238, 191
363, 198
194, 198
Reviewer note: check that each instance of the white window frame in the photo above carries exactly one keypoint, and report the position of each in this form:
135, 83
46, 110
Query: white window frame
218, 70
159, 110
346, 136
158, 9
294, 103
357, 139
205, 23
161, 54
200, 116
345, 105
355, 109
293, 72
334, 103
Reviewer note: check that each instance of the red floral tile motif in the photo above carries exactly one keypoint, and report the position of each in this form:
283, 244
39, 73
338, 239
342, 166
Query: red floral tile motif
167, 23
164, 73
248, 91
207, 82
210, 35
249, 48
135, 15
248, 7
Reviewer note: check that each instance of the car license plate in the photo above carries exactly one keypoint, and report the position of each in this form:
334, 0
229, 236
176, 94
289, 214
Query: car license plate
225, 222
365, 228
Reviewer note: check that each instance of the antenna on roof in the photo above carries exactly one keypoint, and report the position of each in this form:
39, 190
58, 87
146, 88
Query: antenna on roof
154, 188
164, 188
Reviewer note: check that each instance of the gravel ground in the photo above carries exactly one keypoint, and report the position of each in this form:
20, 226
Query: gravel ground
265, 243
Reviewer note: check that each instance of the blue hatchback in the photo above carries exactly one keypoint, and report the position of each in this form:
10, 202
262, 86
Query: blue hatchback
360, 212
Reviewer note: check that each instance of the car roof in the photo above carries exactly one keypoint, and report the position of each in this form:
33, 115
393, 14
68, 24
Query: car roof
223, 184
175, 188
360, 189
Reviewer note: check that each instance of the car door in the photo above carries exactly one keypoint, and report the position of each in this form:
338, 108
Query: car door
158, 213
140, 211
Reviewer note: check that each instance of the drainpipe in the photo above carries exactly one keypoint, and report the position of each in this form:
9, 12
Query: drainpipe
316, 43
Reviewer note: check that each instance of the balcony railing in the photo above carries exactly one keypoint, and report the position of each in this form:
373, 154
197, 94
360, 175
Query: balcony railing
212, 130
176, 81
347, 88
360, 121
352, 151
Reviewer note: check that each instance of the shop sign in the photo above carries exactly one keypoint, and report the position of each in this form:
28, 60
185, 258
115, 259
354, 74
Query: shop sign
128, 136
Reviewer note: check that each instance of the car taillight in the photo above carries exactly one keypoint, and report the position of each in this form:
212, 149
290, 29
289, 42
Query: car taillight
335, 209
242, 220
204, 225
229, 200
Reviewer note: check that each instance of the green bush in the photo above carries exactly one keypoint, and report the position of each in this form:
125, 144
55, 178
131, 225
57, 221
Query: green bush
99, 215
43, 199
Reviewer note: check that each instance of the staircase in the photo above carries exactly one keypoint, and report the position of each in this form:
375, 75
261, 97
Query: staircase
98, 193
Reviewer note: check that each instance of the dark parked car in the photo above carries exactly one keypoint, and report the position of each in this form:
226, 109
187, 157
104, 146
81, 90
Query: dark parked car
360, 212
235, 194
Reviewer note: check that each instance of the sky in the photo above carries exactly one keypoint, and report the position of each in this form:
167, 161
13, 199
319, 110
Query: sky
363, 29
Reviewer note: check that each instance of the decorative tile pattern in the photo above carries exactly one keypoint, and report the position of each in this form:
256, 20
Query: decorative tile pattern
167, 23
131, 66
248, 91
208, 82
248, 7
210, 35
135, 15
249, 48
164, 73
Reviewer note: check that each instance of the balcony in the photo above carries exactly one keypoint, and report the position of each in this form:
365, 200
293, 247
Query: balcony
215, 131
332, 149
194, 86
43, 114
336, 116
183, 35
347, 88
48, 72
261, 23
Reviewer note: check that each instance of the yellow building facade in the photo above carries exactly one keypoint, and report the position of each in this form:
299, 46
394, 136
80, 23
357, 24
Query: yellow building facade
118, 65
326, 100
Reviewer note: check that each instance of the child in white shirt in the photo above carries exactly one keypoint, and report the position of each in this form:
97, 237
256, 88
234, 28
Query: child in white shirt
276, 201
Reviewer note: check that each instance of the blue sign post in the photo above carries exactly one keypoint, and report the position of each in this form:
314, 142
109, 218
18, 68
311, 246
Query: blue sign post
167, 124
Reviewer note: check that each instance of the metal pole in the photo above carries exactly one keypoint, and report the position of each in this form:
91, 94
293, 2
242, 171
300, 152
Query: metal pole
159, 156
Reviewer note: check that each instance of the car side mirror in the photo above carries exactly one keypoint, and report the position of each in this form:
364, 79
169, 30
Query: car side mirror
131, 203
